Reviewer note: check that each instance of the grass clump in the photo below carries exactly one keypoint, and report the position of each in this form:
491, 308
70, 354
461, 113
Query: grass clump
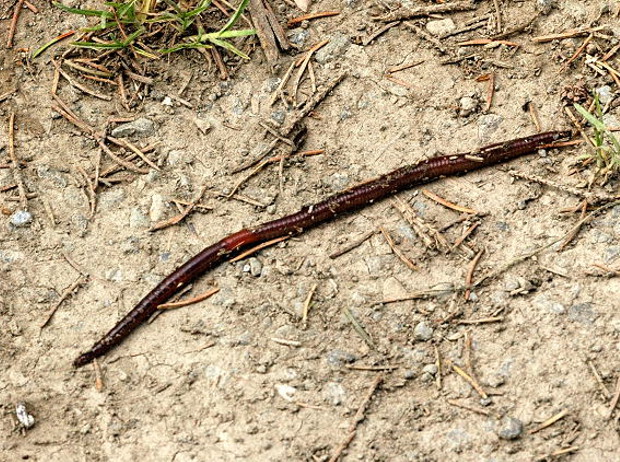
606, 148
152, 28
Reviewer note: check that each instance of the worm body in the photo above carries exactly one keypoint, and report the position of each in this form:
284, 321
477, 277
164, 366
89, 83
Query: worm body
313, 215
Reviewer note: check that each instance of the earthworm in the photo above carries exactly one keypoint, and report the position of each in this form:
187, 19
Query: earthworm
313, 215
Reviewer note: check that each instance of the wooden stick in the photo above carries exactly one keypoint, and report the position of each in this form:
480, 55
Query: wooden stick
13, 26
15, 168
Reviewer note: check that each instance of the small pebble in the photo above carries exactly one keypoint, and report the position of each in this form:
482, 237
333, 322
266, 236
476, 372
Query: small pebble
203, 125
430, 369
488, 125
338, 44
605, 95
545, 5
25, 419
441, 27
510, 428
335, 393
339, 357
423, 332
158, 207
256, 267
286, 392
583, 313
139, 128
21, 219
467, 106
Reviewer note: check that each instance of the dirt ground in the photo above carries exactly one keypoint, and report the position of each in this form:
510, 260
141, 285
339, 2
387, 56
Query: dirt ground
240, 376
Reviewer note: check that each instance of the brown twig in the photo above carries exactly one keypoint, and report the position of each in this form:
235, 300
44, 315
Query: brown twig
550, 421
177, 218
12, 27
616, 398
98, 376
448, 204
15, 165
189, 301
304, 315
65, 294
470, 273
307, 17
577, 53
253, 250
469, 379
406, 13
464, 236
359, 416
467, 407
356, 243
412, 266
303, 64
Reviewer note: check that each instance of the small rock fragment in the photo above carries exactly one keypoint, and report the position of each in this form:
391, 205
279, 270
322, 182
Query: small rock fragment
336, 47
158, 207
25, 419
139, 128
21, 218
487, 125
467, 106
423, 332
286, 392
203, 125
441, 27
510, 428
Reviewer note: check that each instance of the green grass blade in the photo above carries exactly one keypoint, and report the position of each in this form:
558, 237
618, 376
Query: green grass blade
100, 13
597, 124
235, 16
229, 46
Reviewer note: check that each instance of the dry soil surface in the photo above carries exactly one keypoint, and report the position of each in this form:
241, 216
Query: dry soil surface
241, 376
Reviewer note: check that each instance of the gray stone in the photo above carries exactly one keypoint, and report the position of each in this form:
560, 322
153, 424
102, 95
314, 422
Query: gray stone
605, 95
488, 125
299, 36
338, 44
545, 5
441, 27
137, 219
583, 313
179, 156
422, 331
131, 245
510, 428
612, 253
203, 125
337, 358
139, 128
158, 207
21, 218
430, 369
467, 106
278, 116
254, 267
335, 393
337, 181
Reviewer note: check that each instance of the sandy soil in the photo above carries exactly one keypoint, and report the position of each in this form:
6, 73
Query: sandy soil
208, 381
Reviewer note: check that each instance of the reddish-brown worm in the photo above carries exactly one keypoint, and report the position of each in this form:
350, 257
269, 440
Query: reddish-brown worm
313, 215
